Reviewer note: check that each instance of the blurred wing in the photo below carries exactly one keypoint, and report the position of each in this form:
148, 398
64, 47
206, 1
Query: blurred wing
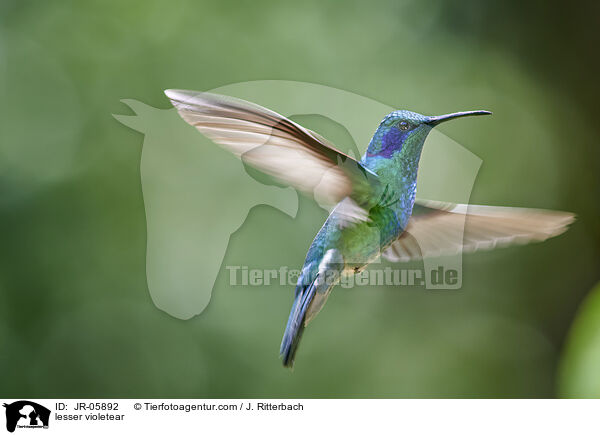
437, 229
277, 146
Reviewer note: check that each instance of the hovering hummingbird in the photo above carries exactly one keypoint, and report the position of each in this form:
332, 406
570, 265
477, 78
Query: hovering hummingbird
376, 212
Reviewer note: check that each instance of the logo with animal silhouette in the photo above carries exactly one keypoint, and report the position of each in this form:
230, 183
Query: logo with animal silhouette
25, 414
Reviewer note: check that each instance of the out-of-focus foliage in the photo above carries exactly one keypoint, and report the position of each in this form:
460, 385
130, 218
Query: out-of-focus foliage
75, 315
580, 377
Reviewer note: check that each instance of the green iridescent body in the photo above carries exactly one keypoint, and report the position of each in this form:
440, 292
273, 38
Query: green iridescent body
394, 157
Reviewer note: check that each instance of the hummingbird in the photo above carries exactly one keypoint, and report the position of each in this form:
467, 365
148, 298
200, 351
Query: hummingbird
375, 212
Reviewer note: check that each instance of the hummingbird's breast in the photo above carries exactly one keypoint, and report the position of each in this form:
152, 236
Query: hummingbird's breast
361, 241
399, 179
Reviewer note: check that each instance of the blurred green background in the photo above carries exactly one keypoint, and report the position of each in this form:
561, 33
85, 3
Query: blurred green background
76, 319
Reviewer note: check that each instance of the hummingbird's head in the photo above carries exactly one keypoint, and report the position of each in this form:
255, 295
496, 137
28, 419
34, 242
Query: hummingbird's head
402, 133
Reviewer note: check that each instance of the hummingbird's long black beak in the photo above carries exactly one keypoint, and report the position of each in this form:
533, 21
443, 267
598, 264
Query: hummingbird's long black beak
435, 120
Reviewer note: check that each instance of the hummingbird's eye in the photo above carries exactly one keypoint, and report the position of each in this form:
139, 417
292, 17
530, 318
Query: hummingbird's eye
403, 125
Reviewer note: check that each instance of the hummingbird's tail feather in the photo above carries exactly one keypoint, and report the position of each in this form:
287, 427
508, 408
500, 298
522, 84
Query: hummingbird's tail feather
295, 324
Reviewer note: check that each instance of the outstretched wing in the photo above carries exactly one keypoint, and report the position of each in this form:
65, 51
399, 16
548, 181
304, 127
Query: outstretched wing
437, 229
277, 146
